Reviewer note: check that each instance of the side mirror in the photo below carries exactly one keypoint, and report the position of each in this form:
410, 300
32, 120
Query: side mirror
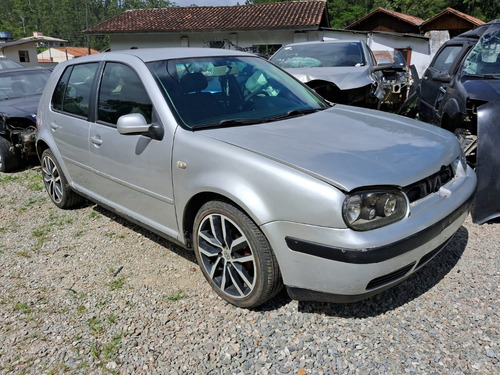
135, 124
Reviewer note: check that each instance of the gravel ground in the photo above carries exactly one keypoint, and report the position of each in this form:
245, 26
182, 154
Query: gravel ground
85, 292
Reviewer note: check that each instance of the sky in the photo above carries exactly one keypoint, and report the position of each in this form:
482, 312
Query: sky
185, 3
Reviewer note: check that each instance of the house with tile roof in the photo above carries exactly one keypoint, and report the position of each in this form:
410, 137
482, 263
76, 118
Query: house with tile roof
24, 50
382, 19
258, 28
451, 20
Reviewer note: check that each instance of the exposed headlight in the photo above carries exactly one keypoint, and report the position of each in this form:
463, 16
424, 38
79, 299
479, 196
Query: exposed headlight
461, 161
367, 210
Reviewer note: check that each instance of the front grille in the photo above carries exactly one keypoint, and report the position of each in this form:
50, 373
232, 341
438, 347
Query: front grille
390, 277
429, 185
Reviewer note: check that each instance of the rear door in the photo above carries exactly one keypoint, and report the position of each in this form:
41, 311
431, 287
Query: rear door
71, 105
437, 77
133, 172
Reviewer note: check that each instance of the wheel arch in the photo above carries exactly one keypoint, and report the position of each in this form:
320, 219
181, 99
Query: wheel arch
193, 206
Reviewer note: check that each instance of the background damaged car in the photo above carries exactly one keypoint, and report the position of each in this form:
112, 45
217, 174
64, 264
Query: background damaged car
396, 80
20, 91
460, 91
344, 72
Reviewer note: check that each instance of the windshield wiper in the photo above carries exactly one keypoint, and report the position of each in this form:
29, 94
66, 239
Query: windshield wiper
230, 122
486, 76
296, 112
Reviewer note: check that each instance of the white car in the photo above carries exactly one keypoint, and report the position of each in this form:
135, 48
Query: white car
224, 153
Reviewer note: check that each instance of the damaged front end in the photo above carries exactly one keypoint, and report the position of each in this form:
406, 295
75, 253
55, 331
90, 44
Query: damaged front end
368, 96
18, 140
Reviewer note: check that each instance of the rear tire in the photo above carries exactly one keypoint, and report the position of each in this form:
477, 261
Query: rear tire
235, 256
56, 184
8, 160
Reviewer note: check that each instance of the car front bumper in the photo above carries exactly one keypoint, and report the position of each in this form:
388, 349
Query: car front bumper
365, 263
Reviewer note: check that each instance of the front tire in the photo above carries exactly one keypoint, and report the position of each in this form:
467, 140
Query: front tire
56, 184
235, 256
8, 160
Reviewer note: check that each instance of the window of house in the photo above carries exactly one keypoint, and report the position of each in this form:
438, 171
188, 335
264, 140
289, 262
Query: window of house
266, 49
24, 56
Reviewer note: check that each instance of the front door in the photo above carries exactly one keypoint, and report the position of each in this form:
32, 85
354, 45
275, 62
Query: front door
133, 171
436, 79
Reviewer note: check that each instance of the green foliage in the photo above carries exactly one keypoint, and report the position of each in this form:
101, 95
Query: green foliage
66, 19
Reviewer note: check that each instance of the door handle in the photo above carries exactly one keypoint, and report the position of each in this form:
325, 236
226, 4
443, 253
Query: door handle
97, 141
53, 126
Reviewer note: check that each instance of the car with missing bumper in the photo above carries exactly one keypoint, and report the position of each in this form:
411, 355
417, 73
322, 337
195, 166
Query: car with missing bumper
226, 154
460, 92
341, 71
20, 91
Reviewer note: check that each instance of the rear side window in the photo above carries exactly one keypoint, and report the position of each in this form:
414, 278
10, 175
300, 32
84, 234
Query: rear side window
121, 93
73, 91
445, 59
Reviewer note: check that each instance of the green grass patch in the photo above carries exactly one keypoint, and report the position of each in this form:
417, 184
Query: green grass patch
176, 296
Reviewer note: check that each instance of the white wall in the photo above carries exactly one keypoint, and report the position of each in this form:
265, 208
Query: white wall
420, 45
12, 53
55, 55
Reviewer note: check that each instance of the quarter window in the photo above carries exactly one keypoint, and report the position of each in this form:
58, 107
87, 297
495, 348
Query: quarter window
121, 93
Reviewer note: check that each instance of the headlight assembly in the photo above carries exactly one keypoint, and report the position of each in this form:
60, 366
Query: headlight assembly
370, 209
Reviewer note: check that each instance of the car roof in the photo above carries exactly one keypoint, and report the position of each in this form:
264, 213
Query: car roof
477, 32
166, 53
323, 42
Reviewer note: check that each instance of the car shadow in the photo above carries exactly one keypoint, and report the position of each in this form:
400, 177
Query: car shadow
413, 287
168, 245
416, 285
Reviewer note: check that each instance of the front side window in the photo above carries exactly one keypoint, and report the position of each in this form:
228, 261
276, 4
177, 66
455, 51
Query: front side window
231, 91
446, 57
122, 92
74, 89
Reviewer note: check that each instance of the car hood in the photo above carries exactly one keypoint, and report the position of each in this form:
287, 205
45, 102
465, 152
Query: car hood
346, 78
20, 107
487, 89
349, 147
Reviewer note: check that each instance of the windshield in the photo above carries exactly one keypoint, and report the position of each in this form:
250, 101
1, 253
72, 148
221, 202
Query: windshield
325, 54
231, 91
484, 58
22, 83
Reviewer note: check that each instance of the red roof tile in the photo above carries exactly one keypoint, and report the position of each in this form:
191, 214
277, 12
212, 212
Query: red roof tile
271, 16
415, 21
473, 20
78, 51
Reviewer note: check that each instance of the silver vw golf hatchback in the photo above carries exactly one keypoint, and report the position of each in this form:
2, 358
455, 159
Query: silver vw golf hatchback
226, 154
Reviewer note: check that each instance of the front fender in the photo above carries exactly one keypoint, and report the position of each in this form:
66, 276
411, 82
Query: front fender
451, 109
265, 189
